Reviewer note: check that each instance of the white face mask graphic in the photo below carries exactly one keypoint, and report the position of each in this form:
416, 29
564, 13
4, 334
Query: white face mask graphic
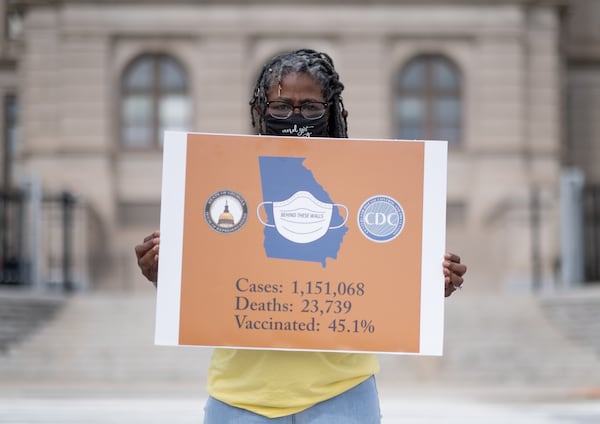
302, 218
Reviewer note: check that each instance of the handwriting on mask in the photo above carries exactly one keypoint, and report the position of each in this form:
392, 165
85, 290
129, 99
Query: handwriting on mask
299, 131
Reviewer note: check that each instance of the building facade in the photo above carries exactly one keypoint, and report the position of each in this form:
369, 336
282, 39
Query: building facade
513, 85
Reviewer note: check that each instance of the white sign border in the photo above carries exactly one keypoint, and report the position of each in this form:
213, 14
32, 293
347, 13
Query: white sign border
433, 247
168, 299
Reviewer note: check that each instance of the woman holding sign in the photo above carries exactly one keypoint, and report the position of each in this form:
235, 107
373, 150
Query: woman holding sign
297, 94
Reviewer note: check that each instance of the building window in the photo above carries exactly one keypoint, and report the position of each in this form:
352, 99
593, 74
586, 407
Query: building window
154, 98
13, 24
428, 102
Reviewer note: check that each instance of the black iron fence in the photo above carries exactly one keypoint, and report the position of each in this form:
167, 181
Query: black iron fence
37, 238
14, 266
591, 232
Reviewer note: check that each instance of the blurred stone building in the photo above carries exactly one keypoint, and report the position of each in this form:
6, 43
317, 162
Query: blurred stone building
88, 86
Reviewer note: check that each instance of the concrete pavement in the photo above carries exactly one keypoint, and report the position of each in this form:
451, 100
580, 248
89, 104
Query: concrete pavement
93, 404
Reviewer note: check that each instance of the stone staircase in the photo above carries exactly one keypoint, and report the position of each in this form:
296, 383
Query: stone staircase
491, 340
577, 314
102, 337
500, 340
22, 312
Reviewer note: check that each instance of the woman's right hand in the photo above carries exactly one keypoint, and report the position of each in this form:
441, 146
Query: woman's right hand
147, 256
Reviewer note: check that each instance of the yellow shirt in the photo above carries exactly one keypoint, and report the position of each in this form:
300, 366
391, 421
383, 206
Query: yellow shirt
276, 383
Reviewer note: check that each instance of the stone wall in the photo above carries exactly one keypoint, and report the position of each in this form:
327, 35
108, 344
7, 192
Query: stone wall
507, 53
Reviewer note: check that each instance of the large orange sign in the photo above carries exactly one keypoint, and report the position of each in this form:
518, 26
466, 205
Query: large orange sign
302, 243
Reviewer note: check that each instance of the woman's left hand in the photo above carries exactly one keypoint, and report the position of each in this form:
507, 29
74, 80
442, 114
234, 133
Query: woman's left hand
453, 273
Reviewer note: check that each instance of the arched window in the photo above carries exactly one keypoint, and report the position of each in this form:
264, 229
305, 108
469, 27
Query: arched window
428, 102
154, 98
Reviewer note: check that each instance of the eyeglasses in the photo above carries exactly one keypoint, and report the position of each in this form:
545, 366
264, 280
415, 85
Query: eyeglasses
309, 110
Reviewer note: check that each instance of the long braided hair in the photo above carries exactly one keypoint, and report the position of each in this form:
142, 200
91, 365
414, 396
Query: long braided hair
315, 64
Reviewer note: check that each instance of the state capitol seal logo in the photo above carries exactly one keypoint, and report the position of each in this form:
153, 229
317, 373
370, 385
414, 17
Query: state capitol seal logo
226, 211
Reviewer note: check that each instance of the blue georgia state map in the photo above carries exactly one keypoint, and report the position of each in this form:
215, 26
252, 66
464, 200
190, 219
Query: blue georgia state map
290, 189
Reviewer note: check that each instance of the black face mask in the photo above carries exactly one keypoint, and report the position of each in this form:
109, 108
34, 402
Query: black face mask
297, 126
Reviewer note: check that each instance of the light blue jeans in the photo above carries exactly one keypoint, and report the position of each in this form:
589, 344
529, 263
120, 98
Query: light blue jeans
359, 405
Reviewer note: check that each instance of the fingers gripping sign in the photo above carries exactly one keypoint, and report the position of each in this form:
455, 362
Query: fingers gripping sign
147, 256
453, 273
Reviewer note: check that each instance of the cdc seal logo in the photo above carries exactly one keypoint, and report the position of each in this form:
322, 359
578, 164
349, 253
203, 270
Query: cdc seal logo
380, 218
